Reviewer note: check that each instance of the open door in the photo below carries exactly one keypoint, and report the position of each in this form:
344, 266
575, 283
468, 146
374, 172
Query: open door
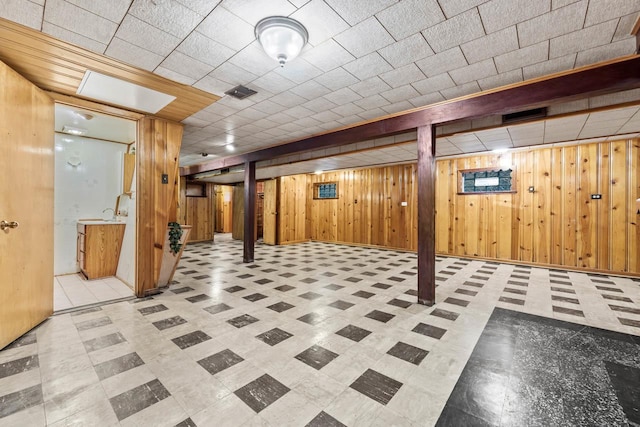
270, 212
26, 205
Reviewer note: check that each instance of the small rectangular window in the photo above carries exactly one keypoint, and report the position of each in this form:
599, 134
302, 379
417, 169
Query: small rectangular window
325, 190
486, 180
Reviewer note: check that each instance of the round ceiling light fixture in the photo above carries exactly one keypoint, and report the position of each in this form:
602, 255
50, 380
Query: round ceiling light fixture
281, 38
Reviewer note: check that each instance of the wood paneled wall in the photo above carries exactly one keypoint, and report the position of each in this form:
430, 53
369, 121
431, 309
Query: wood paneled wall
158, 147
200, 215
369, 208
237, 221
557, 224
223, 208
292, 210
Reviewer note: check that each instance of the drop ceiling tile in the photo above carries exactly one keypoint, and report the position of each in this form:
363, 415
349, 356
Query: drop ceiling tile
528, 130
371, 102
146, 36
513, 76
455, 7
434, 84
201, 7
428, 99
319, 104
172, 75
410, 16
238, 104
614, 98
499, 14
342, 96
336, 79
549, 67
273, 82
80, 21
397, 107
299, 71
368, 66
356, 11
606, 52
556, 23
455, 31
327, 56
202, 48
625, 26
401, 76
253, 11
288, 99
399, 94
407, 50
604, 11
372, 114
134, 55
442, 62
233, 74
479, 70
71, 37
172, 17
498, 145
299, 112
461, 90
446, 149
364, 38
370, 87
522, 57
307, 123
326, 116
493, 135
213, 85
557, 4
114, 10
347, 110
310, 90
23, 12
320, 20
254, 60
577, 41
494, 44
226, 28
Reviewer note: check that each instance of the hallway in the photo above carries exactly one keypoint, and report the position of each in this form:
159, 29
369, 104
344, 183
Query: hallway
327, 335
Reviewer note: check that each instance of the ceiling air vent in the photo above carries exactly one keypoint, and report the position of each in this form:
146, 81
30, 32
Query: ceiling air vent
523, 116
240, 92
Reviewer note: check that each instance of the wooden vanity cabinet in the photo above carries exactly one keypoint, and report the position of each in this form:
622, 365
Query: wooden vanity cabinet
98, 249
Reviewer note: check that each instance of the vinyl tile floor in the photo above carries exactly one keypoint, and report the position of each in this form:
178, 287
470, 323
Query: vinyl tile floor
318, 334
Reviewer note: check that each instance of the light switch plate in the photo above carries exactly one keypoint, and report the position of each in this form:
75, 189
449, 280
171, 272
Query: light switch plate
165, 178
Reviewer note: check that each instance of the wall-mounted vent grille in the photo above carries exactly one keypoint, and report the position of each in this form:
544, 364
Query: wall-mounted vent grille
240, 92
523, 116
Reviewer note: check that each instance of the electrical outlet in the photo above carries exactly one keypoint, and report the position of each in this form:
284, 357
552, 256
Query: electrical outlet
596, 196
165, 178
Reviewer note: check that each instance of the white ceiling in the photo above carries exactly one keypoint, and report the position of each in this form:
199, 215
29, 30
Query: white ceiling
365, 58
100, 126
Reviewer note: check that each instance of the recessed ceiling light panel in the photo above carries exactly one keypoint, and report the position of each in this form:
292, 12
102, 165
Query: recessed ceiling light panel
73, 130
119, 92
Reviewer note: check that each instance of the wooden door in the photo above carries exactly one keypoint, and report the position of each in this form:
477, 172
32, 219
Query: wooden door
26, 196
270, 212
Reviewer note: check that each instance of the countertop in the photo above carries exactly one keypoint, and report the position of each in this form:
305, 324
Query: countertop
100, 222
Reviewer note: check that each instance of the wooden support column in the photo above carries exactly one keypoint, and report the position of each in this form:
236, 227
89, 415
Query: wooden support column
249, 210
426, 215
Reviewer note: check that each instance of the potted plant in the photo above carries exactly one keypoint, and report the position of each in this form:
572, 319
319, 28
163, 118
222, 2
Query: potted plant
175, 239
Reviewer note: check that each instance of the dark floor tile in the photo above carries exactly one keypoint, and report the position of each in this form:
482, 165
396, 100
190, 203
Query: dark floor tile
218, 308
242, 321
203, 276
565, 299
408, 353
286, 275
429, 330
475, 276
564, 310
220, 361
137, 399
616, 298
445, 314
354, 333
491, 272
457, 301
20, 400
310, 296
624, 309
186, 423
245, 276
324, 420
181, 290
517, 283
396, 279
263, 281
399, 303
380, 316
118, 365
363, 294
18, 366
608, 289
309, 280
412, 292
284, 288
341, 305
311, 318
353, 279
474, 284
629, 322
85, 311
169, 323
191, 339
515, 291
93, 323
566, 291
606, 282
317, 357
381, 286
329, 274
232, 289
463, 291
508, 300
626, 383
281, 306
198, 298
261, 392
103, 342
274, 336
255, 297
448, 273
376, 386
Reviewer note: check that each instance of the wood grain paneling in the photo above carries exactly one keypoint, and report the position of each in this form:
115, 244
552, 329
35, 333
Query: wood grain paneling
292, 209
58, 66
223, 208
237, 221
270, 226
200, 214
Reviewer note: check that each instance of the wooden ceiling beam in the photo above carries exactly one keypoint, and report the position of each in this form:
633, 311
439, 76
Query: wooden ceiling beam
611, 76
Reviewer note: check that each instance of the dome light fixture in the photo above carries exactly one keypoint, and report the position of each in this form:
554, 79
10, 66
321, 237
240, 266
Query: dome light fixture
281, 38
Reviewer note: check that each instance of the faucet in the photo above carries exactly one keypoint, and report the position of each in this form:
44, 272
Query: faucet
113, 218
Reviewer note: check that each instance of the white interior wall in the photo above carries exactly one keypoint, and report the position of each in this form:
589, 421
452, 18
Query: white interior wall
88, 179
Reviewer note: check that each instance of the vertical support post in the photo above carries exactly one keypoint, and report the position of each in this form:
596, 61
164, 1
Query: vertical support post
427, 215
249, 210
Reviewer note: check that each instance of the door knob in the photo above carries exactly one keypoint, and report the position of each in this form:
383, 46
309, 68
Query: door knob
8, 224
